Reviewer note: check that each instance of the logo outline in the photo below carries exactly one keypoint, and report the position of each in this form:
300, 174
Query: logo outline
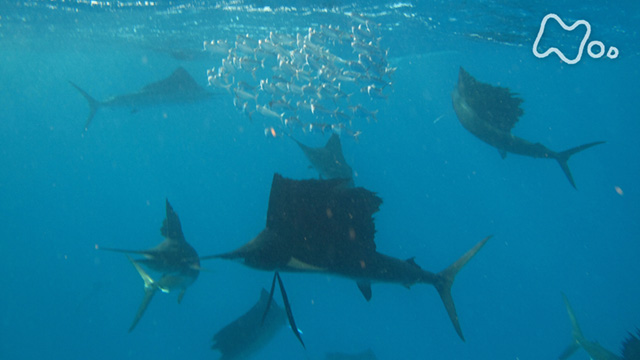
554, 49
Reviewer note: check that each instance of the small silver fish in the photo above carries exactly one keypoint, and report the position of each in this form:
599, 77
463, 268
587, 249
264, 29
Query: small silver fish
242, 49
216, 82
374, 92
281, 39
219, 47
244, 95
265, 111
268, 87
361, 112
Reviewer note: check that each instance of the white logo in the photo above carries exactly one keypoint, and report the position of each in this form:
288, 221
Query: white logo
611, 54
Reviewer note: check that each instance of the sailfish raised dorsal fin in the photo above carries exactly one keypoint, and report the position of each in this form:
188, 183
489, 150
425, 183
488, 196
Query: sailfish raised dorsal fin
180, 81
495, 105
171, 227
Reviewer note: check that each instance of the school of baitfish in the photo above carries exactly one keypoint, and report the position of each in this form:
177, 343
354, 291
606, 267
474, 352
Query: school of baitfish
326, 79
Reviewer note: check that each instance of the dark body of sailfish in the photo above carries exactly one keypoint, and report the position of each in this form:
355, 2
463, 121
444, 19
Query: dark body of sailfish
174, 258
329, 160
630, 347
250, 332
490, 112
179, 87
326, 226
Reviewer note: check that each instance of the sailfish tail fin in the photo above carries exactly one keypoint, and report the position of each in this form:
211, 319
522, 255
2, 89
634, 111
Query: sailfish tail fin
93, 104
563, 156
576, 332
445, 280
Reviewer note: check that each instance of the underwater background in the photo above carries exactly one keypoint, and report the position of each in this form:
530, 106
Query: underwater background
63, 190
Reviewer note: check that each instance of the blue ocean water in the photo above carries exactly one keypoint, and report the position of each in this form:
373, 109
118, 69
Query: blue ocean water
63, 190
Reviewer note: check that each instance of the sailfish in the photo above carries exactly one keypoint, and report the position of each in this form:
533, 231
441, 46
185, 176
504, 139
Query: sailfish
490, 112
328, 160
630, 346
174, 258
179, 87
250, 332
326, 226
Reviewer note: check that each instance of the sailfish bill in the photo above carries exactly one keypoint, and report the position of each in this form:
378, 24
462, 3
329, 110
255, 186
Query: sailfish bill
325, 226
173, 258
179, 87
490, 113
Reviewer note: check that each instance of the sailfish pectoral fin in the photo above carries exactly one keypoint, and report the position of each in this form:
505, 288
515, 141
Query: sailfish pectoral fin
266, 309
444, 281
287, 306
365, 289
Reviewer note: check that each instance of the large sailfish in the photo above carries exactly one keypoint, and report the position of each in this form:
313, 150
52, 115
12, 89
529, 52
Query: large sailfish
173, 258
490, 112
179, 88
328, 160
327, 226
